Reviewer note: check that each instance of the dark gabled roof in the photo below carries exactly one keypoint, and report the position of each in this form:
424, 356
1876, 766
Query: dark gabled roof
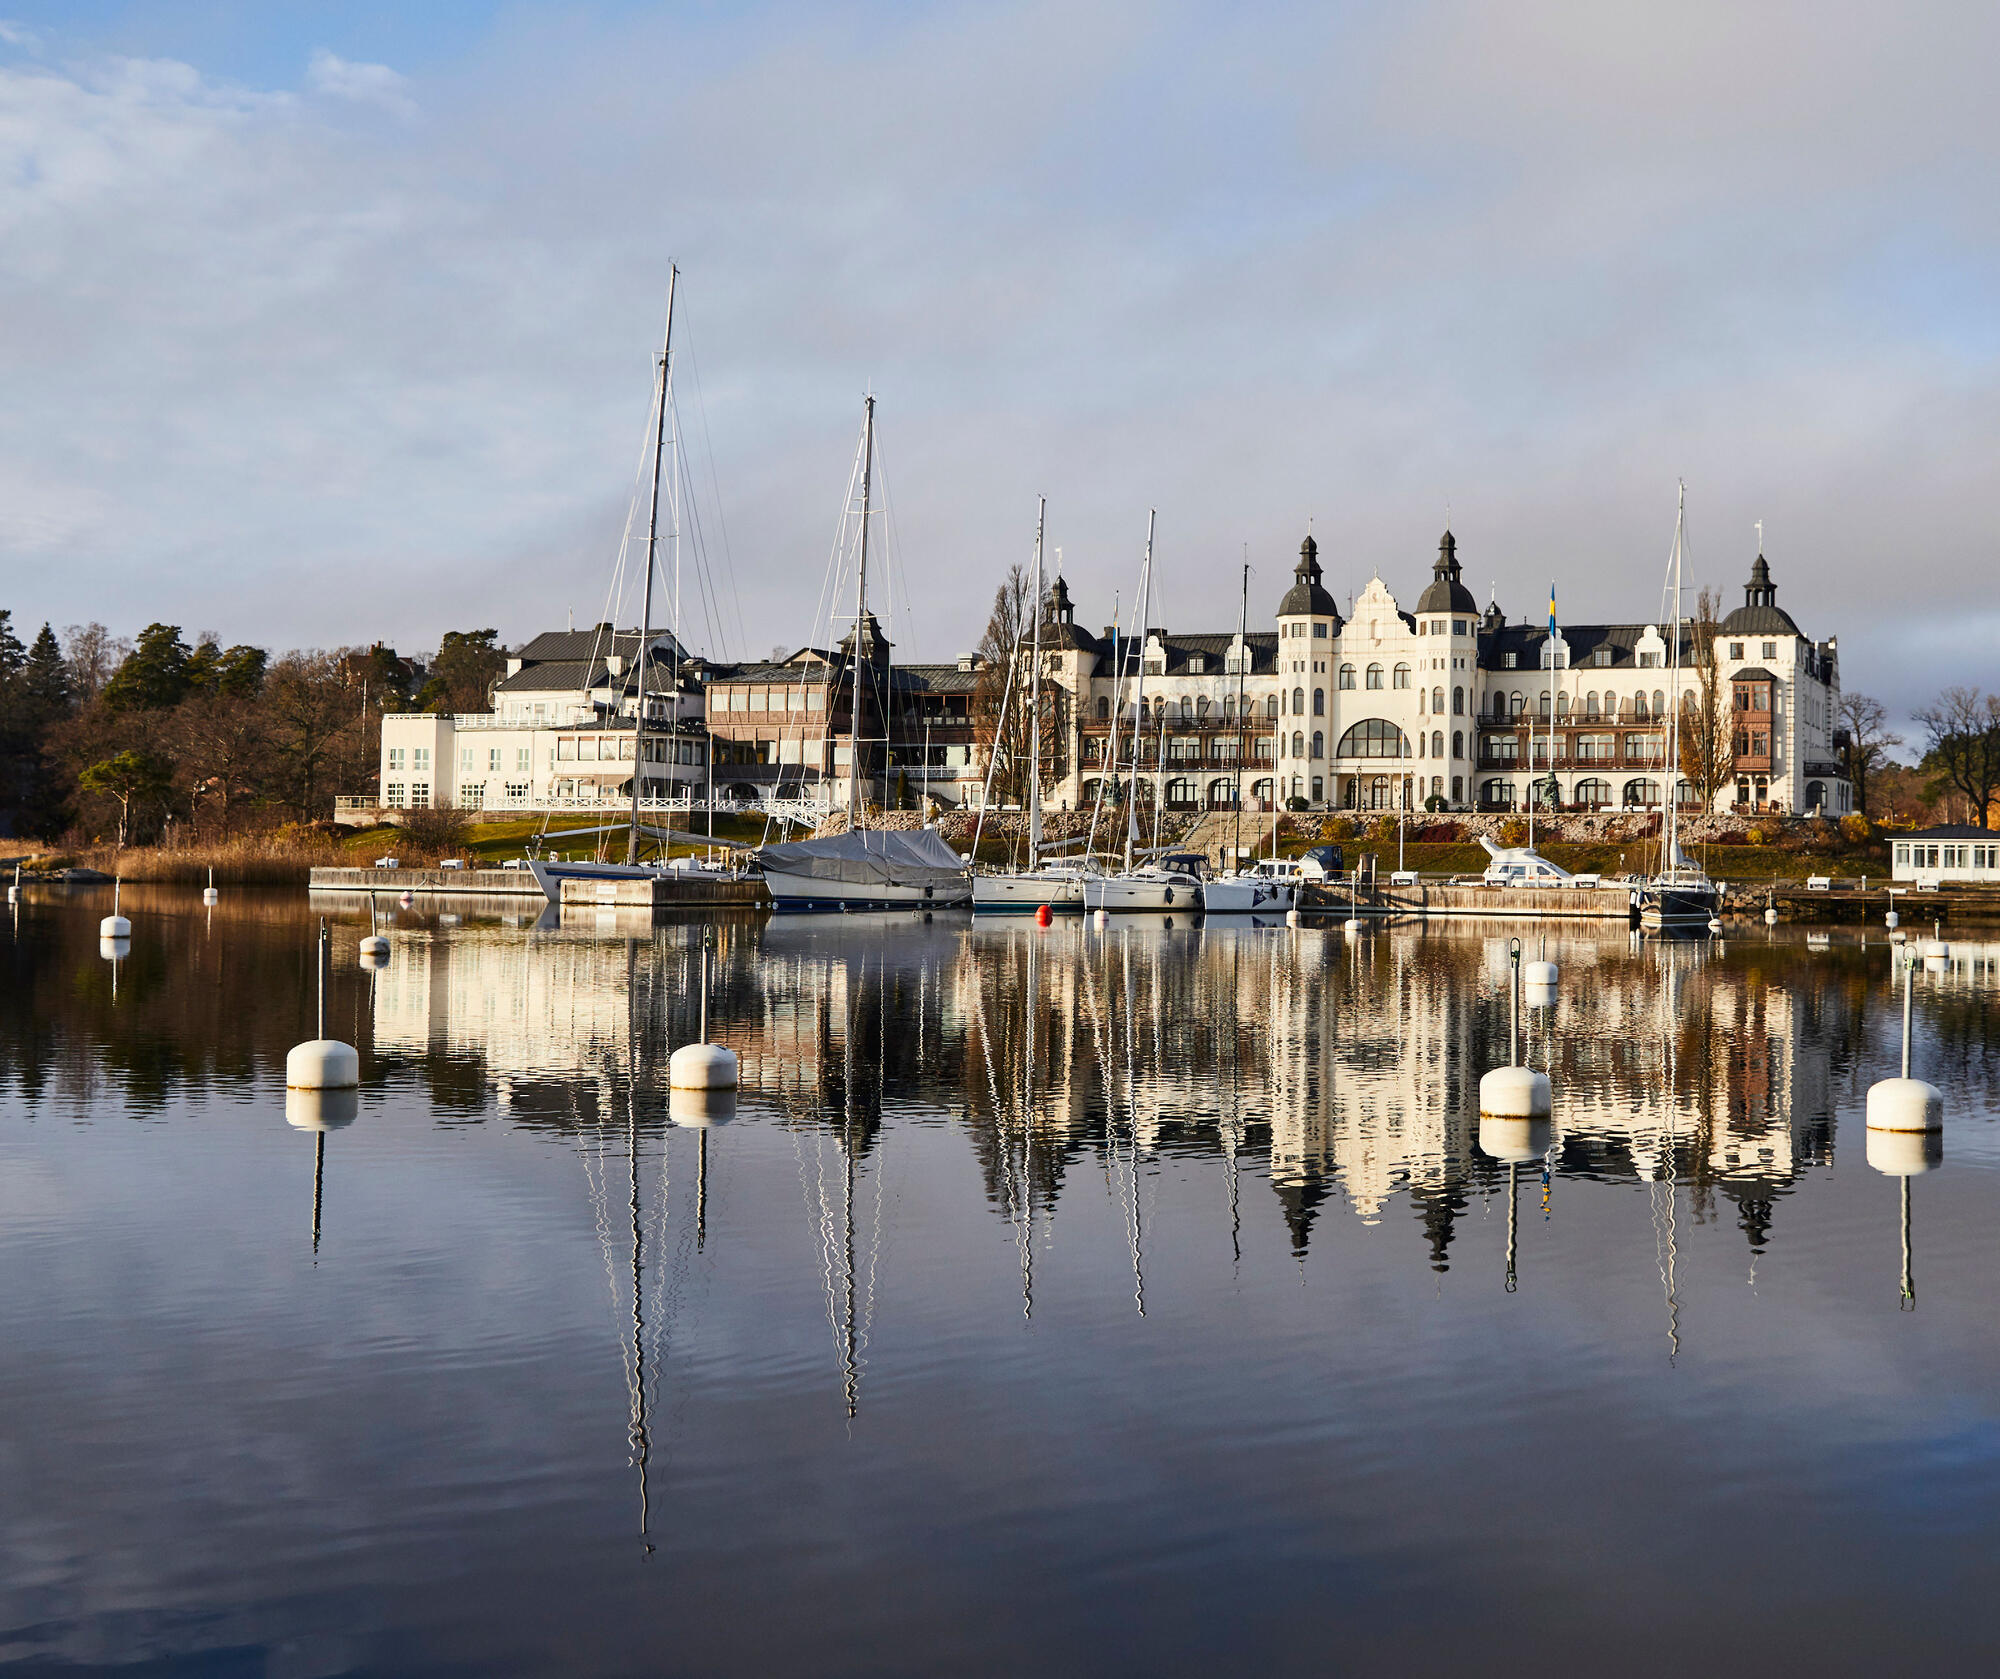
933, 679
793, 672
1527, 640
1263, 646
577, 646
1950, 831
1760, 613
1756, 673
554, 676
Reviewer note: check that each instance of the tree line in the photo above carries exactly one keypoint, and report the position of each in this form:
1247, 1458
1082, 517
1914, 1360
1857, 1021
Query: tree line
104, 739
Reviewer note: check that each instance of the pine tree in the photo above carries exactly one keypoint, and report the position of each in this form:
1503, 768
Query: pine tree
45, 679
155, 676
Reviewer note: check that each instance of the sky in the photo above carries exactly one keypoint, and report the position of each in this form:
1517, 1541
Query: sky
327, 324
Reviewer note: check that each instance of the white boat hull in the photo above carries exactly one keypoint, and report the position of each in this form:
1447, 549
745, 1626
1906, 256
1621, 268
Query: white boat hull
810, 892
549, 876
1023, 894
1242, 894
1127, 894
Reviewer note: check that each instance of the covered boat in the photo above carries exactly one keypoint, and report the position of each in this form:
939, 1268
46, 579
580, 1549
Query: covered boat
866, 868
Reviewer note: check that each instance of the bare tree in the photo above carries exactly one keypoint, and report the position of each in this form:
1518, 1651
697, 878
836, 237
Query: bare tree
1864, 724
1707, 735
1963, 728
92, 653
315, 735
222, 751
1007, 646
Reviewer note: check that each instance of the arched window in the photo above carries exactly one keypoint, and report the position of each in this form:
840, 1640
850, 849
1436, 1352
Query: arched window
1594, 793
1400, 677
1374, 676
1437, 700
1499, 705
1457, 789
1228, 705
1422, 739
1499, 795
1437, 743
1457, 747
1562, 705
1298, 743
1319, 702
1639, 706
1590, 704
1103, 708
1298, 702
1374, 738
1543, 705
1180, 792
1347, 676
1271, 705
1688, 701
1201, 706
1641, 792
1610, 703
1659, 702
1187, 706
1319, 744
1457, 701
1516, 703
1261, 791
1090, 791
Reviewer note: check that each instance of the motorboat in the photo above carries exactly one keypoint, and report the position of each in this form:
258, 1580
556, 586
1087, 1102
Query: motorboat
1272, 886
1521, 865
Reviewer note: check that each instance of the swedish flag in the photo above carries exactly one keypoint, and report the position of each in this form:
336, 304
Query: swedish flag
1552, 608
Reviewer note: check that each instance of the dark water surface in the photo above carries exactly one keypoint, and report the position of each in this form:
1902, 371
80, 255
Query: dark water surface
1057, 1302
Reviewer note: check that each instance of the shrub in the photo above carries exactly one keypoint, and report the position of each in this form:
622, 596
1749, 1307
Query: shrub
1384, 827
1856, 829
441, 830
1340, 830
1514, 831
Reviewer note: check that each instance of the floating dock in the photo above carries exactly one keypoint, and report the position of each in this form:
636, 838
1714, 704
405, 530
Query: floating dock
454, 883
1507, 903
692, 890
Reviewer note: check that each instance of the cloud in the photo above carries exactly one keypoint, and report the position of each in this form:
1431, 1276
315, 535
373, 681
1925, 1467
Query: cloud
365, 84
304, 369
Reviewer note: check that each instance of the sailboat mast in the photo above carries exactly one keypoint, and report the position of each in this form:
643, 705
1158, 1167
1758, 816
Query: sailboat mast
1669, 829
1139, 692
1242, 660
860, 613
652, 548
1035, 705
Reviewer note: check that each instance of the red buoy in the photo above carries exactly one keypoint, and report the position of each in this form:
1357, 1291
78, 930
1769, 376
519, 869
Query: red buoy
1043, 916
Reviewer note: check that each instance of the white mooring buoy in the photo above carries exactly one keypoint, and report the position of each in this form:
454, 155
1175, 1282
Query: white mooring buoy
322, 1063
209, 895
114, 925
1538, 980
697, 1110
703, 1065
1100, 920
14, 891
374, 948
1771, 909
1514, 1092
1293, 919
1892, 919
1907, 1105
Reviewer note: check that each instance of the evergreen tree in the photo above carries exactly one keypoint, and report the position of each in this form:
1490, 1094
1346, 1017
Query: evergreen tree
155, 676
45, 678
12, 654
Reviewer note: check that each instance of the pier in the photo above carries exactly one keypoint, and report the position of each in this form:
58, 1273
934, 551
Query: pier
693, 890
455, 883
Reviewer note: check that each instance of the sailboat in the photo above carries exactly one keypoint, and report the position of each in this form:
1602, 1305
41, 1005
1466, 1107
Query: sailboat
1680, 897
1153, 887
1055, 884
1246, 891
864, 869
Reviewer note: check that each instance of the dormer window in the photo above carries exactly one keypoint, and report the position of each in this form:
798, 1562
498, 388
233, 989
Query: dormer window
1601, 657
1508, 661
1194, 664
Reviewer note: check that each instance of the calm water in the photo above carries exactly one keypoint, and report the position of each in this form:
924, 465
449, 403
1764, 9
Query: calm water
1057, 1302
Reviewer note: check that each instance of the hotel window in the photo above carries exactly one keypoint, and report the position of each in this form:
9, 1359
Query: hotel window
1319, 702
1319, 744
1601, 657
1400, 677
1298, 744
1458, 702
1502, 749
1298, 702
1347, 676
1595, 749
1510, 661
395, 757
524, 757
420, 795
493, 757
795, 700
566, 750
393, 794
1375, 676
1457, 748
420, 758
1457, 789
472, 795
517, 792
1516, 704
1770, 649
1736, 649
757, 701
1437, 743
1271, 706
465, 759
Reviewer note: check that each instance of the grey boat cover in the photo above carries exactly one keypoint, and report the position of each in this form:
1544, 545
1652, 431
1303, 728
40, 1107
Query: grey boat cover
870, 857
